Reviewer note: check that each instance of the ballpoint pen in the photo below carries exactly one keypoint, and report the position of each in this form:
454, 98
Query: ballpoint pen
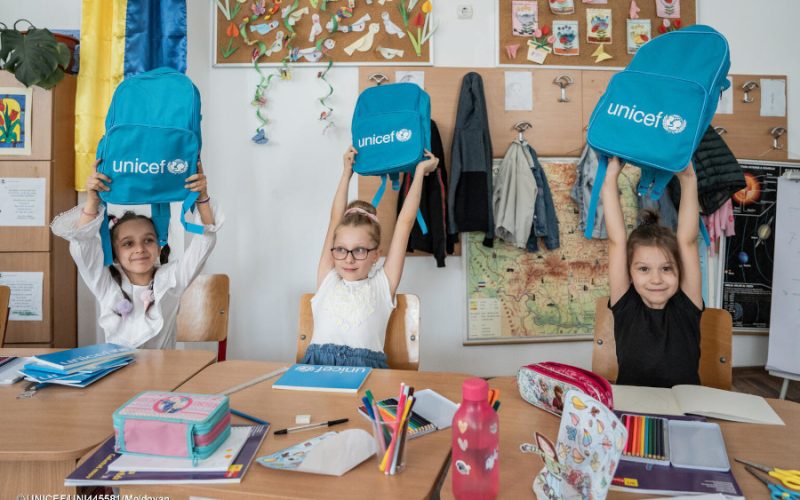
248, 417
311, 426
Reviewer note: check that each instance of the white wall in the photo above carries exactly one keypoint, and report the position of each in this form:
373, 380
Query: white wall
277, 196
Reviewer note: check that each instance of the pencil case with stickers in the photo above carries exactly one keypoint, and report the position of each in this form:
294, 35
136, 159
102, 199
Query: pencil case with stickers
544, 385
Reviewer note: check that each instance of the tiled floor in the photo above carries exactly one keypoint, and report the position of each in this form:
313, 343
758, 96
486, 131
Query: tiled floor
759, 381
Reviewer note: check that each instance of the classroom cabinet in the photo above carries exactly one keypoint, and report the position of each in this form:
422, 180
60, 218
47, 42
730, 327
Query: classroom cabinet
33, 250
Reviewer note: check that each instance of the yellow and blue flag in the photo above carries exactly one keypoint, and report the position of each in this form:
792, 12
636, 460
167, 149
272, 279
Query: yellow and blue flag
120, 38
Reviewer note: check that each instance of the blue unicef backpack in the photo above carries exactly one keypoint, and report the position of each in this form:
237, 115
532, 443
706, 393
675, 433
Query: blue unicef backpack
151, 145
655, 112
391, 129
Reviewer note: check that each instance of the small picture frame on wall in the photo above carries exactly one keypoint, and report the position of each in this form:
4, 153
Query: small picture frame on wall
15, 121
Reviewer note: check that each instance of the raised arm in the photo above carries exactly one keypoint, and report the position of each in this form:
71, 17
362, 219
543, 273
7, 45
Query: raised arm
396, 257
96, 182
688, 228
198, 183
337, 211
618, 278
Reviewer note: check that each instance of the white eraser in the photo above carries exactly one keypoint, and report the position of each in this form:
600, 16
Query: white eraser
302, 419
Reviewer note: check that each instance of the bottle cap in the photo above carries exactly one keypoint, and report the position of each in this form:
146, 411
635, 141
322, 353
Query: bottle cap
475, 389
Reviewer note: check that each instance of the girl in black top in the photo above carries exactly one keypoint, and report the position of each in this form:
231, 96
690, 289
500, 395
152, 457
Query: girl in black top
655, 289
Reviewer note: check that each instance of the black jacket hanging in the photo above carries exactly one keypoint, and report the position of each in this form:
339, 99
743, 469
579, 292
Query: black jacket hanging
470, 195
433, 205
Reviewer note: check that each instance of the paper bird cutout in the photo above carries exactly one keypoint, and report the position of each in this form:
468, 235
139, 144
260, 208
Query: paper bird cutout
511, 50
264, 28
600, 54
316, 28
277, 45
389, 53
359, 25
296, 15
390, 27
364, 43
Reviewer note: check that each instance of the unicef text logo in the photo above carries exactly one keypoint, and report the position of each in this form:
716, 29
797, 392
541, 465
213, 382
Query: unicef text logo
177, 166
674, 124
305, 368
403, 135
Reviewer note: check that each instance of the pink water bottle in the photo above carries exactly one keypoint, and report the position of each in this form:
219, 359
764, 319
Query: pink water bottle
476, 444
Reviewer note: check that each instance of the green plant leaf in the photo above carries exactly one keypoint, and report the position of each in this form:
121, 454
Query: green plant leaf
34, 57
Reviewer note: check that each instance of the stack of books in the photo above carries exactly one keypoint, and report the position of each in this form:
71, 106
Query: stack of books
78, 367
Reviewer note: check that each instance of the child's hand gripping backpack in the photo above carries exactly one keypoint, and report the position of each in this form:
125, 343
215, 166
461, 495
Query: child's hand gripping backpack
151, 145
391, 129
655, 112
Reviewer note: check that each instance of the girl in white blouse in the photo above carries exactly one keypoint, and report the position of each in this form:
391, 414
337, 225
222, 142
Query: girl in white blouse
140, 292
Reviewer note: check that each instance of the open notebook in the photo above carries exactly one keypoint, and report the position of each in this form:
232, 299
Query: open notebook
695, 400
431, 412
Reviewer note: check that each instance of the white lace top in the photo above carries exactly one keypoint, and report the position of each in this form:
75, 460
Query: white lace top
157, 328
353, 313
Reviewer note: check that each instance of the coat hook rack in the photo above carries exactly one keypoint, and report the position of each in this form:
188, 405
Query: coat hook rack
776, 133
720, 130
378, 78
748, 87
521, 127
563, 81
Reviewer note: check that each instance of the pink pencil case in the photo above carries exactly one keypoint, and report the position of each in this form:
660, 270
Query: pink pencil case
545, 384
172, 424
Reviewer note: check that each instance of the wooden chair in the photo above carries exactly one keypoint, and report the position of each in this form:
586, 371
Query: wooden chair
402, 333
5, 298
203, 315
716, 337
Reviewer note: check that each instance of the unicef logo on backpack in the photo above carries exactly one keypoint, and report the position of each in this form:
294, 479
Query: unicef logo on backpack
674, 124
403, 135
178, 166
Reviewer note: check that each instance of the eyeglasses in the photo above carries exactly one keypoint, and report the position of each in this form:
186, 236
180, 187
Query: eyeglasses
359, 253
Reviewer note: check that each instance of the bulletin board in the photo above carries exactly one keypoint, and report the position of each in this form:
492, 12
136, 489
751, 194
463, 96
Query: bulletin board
617, 49
243, 29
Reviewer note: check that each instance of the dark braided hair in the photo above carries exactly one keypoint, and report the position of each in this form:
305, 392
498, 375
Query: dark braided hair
651, 234
115, 274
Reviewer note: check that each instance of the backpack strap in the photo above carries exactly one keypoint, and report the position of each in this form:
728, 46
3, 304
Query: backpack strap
602, 165
187, 207
105, 238
396, 187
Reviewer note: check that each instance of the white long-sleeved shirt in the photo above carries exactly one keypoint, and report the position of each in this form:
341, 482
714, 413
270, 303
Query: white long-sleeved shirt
156, 328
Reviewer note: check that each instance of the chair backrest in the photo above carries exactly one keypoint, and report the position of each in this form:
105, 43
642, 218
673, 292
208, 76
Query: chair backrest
402, 333
716, 336
203, 315
5, 298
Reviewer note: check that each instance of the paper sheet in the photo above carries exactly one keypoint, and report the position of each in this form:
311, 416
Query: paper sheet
773, 97
725, 105
519, 91
26, 295
417, 77
22, 201
331, 453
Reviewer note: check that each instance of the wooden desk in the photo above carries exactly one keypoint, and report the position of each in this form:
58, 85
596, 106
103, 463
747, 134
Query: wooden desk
42, 438
426, 456
766, 444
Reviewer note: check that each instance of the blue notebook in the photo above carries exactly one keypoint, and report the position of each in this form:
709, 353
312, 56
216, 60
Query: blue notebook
73, 359
323, 378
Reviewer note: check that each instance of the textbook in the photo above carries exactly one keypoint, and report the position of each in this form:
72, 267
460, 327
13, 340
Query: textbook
432, 412
73, 359
695, 400
79, 378
94, 471
219, 461
323, 378
9, 369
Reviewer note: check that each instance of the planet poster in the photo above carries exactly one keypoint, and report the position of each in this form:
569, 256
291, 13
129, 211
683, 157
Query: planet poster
747, 276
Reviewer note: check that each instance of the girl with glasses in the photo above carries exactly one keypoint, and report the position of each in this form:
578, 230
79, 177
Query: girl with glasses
356, 295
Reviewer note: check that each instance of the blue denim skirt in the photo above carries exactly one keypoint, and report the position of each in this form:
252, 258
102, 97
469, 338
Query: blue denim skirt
342, 355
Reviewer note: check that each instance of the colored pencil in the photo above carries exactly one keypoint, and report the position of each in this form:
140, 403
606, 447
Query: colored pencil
660, 438
627, 419
642, 434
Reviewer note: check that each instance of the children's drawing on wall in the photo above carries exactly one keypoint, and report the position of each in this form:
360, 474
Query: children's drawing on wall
598, 22
524, 17
567, 42
562, 7
638, 34
15, 121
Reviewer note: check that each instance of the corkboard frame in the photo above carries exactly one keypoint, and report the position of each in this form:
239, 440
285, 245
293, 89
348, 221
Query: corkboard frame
370, 58
617, 49
559, 128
